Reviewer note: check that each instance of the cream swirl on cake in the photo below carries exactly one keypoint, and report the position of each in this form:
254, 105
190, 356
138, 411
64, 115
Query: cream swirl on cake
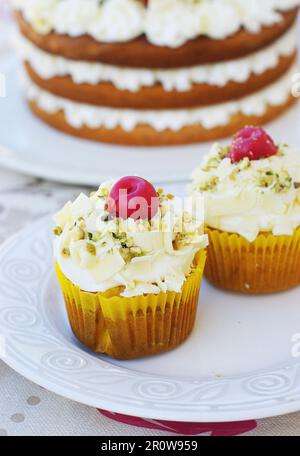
250, 196
98, 252
164, 22
107, 21
174, 22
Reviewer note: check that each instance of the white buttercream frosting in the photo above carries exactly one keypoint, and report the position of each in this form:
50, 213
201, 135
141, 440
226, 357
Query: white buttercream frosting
250, 197
48, 66
78, 114
98, 252
164, 22
173, 22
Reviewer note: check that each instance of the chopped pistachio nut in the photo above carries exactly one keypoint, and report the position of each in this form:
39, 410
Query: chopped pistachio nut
213, 161
79, 234
126, 243
103, 192
220, 152
135, 251
120, 236
210, 184
284, 185
179, 241
57, 231
164, 197
91, 249
281, 183
131, 252
223, 151
65, 252
266, 179
129, 242
125, 254
81, 223
244, 164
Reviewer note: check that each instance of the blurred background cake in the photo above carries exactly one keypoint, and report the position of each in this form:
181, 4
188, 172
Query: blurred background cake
157, 72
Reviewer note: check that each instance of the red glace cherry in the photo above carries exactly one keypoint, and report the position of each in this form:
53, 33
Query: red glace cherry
251, 142
133, 197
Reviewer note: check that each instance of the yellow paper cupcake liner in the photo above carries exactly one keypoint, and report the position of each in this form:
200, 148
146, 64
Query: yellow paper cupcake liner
127, 328
269, 264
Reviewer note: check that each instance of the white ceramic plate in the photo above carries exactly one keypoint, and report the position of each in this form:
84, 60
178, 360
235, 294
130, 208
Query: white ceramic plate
30, 147
237, 365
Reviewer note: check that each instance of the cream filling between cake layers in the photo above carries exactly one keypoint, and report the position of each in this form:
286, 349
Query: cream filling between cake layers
79, 114
48, 66
165, 23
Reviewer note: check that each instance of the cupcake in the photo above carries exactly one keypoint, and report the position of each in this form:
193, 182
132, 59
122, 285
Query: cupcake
251, 194
130, 263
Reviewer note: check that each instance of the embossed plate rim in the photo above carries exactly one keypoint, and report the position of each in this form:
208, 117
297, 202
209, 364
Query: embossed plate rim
126, 394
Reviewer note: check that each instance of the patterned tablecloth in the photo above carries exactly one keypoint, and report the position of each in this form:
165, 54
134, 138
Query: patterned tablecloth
27, 409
